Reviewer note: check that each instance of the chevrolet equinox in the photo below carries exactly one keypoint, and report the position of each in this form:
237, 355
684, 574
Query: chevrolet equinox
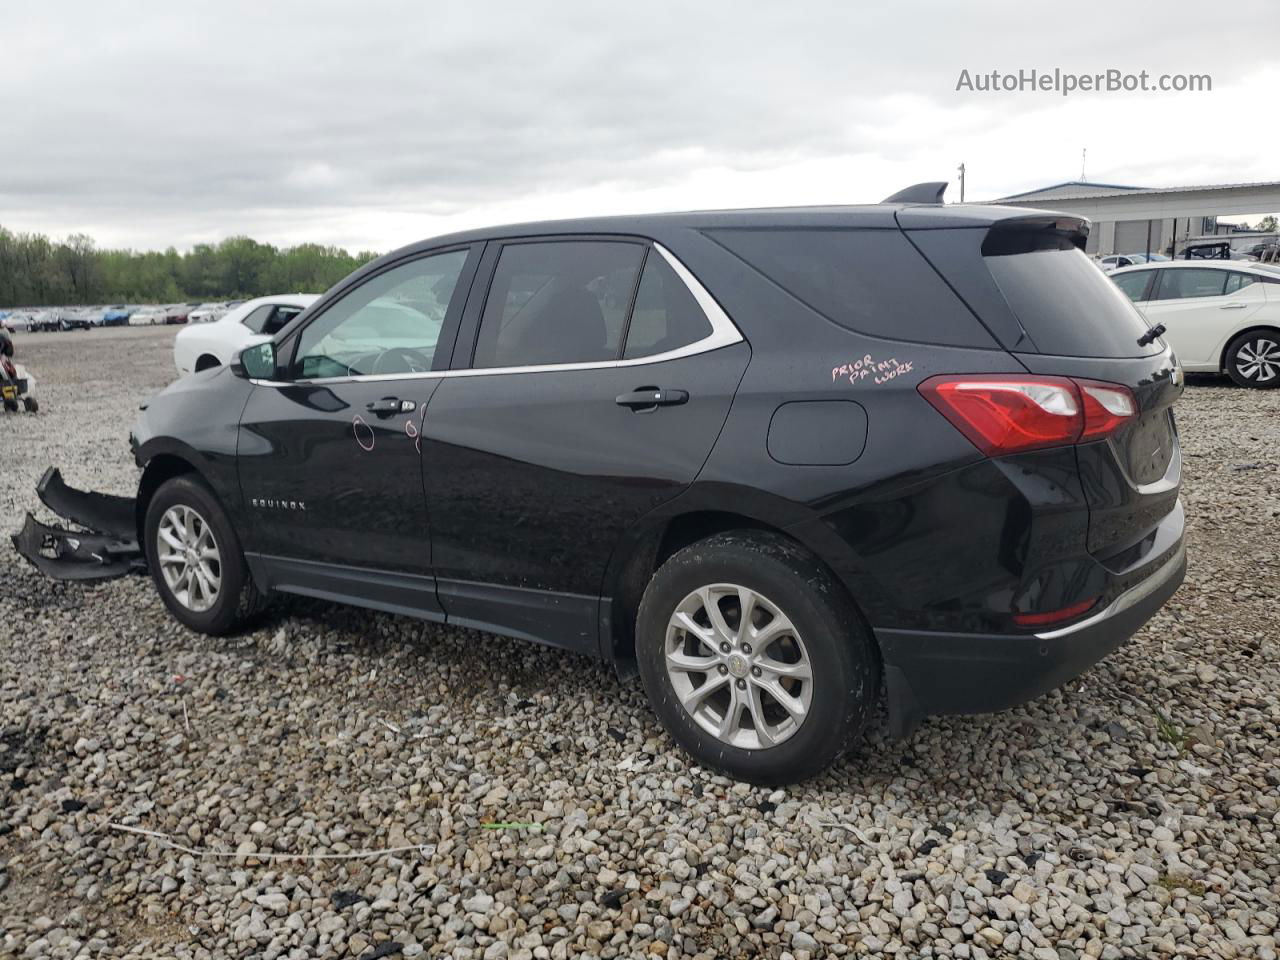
773, 461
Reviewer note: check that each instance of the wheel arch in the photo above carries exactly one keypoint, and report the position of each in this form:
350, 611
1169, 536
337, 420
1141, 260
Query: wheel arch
205, 361
159, 468
649, 545
1271, 328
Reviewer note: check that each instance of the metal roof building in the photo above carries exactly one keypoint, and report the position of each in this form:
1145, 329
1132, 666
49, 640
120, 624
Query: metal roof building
1149, 219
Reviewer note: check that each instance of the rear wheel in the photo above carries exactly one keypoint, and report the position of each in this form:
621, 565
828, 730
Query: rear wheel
1253, 359
196, 560
753, 657
31, 403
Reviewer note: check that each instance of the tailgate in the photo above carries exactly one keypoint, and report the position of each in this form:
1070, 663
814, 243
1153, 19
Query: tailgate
1130, 479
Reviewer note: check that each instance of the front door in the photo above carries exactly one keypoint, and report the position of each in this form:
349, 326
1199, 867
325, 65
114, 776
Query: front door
596, 390
329, 454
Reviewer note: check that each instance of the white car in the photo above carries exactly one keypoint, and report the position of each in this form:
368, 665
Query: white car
1218, 315
206, 313
213, 344
1116, 261
148, 316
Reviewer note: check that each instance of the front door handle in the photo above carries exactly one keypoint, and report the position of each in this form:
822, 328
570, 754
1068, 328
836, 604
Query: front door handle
647, 398
390, 405
1233, 306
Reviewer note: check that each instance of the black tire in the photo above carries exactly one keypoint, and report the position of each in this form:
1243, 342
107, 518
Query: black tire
32, 404
1258, 376
237, 600
842, 654
11, 406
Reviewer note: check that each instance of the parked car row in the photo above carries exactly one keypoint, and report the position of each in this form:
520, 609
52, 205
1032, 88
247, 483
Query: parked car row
46, 319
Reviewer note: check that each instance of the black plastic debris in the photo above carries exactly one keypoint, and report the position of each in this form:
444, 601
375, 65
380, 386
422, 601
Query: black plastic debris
99, 512
341, 899
106, 548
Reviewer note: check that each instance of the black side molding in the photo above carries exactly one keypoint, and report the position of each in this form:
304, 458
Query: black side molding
930, 192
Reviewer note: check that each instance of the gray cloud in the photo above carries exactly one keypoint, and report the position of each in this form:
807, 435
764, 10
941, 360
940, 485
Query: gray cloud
179, 122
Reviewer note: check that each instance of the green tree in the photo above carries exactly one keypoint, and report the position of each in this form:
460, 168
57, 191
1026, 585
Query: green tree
36, 271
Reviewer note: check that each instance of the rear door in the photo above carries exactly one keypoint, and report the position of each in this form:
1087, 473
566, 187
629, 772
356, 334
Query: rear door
1200, 306
589, 387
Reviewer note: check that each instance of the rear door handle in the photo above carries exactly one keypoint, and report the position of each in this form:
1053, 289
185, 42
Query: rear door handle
646, 398
1233, 306
390, 405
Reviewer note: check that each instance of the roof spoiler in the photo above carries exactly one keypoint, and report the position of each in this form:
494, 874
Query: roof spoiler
930, 192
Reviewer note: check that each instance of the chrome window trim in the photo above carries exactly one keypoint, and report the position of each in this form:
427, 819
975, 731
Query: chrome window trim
723, 333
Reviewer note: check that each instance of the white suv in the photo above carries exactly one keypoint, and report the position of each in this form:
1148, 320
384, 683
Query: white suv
1218, 316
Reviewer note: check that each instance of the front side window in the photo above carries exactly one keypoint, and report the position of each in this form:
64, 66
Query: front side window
1134, 284
389, 324
558, 302
1185, 284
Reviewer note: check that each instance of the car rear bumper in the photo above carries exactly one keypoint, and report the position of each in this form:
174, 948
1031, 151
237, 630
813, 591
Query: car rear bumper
930, 672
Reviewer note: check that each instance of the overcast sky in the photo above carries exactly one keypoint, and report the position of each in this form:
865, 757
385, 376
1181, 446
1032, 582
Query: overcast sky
374, 124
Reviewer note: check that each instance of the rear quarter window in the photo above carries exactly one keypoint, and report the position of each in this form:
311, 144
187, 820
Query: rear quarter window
870, 281
1066, 304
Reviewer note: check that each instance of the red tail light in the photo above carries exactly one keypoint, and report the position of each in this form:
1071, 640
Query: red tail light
1107, 407
1055, 616
1007, 414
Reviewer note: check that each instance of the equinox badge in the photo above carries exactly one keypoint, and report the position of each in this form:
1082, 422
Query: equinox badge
268, 504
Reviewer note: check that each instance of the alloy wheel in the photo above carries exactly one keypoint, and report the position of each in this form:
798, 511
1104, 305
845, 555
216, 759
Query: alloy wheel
189, 558
738, 666
1258, 360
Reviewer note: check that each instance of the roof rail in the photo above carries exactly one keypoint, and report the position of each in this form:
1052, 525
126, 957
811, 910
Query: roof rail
919, 193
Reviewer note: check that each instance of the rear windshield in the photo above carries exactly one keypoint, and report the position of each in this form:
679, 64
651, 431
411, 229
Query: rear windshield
871, 281
1067, 305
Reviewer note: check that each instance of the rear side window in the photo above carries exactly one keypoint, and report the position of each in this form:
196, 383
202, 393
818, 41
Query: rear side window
1067, 305
270, 319
558, 302
1186, 284
666, 316
279, 318
256, 320
871, 281
1238, 281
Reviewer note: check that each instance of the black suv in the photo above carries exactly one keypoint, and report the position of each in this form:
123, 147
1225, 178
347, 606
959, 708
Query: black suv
767, 459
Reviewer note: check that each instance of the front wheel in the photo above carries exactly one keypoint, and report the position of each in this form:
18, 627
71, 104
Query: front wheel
753, 657
32, 404
196, 560
1253, 359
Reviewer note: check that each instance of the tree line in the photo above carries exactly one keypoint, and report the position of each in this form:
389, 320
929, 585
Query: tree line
36, 271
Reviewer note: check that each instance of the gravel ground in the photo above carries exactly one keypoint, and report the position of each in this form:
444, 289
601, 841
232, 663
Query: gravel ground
547, 815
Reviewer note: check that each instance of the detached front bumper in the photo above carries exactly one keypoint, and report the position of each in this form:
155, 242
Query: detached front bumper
929, 672
106, 548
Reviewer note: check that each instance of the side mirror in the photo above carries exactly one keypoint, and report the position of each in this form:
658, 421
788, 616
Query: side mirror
255, 363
